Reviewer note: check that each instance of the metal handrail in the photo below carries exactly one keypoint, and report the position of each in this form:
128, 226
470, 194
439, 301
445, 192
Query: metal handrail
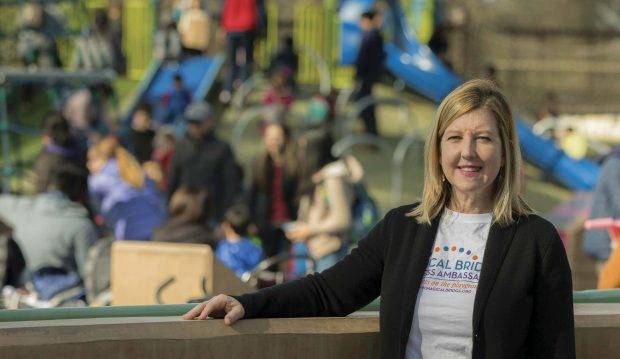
251, 114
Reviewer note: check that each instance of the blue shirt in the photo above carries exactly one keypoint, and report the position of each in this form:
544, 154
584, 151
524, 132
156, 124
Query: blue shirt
240, 256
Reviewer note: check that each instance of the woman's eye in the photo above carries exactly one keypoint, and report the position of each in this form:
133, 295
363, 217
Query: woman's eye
454, 138
484, 138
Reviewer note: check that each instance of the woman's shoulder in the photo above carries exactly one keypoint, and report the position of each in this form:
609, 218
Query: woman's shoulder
401, 215
536, 228
533, 221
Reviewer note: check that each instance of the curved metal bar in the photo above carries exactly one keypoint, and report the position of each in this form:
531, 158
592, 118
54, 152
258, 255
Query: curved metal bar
239, 96
343, 98
325, 82
405, 115
24, 130
203, 285
242, 123
345, 144
398, 159
161, 288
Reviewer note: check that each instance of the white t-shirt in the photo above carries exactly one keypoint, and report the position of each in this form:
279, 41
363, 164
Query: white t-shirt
442, 320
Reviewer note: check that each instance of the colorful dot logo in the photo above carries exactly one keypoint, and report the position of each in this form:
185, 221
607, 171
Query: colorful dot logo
454, 249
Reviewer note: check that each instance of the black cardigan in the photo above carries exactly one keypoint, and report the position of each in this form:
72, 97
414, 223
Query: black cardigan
523, 306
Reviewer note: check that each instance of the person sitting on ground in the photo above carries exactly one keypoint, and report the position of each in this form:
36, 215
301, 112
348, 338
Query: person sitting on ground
141, 134
189, 213
237, 251
59, 147
127, 199
53, 229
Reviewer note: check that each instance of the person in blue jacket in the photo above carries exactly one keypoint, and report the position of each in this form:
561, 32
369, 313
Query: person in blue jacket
237, 251
128, 200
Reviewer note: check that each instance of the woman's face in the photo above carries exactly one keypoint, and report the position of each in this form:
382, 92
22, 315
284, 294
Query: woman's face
274, 139
471, 155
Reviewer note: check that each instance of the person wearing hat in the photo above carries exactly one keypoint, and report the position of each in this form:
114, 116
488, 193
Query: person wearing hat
203, 161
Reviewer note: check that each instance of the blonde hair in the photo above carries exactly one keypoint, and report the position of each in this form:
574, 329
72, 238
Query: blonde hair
507, 201
128, 166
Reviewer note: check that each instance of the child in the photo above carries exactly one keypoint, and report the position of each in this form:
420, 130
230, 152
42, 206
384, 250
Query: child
175, 101
280, 91
237, 251
163, 149
141, 134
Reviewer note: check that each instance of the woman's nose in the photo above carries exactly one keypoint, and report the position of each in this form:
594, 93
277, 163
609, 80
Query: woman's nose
469, 147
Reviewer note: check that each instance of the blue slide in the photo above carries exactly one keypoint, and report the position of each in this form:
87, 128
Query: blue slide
423, 72
198, 75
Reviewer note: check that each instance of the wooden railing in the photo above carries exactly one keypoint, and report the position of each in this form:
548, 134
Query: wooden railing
159, 332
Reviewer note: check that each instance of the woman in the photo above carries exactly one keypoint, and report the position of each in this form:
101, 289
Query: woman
59, 147
469, 272
274, 187
190, 211
326, 197
128, 200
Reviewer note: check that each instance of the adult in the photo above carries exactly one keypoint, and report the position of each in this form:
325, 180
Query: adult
194, 28
189, 212
369, 65
141, 133
240, 20
468, 272
273, 191
127, 199
53, 229
326, 197
59, 147
605, 208
202, 160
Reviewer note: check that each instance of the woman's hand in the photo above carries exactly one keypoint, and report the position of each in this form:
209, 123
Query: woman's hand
300, 232
218, 307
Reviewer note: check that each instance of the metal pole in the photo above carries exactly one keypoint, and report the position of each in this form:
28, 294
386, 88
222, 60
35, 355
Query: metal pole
398, 160
239, 96
7, 168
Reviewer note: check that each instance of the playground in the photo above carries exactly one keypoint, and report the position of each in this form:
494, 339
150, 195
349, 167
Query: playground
327, 36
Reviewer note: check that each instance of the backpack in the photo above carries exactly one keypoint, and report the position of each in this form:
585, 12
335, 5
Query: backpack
364, 214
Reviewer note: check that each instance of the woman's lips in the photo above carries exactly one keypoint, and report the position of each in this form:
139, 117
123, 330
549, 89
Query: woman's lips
469, 171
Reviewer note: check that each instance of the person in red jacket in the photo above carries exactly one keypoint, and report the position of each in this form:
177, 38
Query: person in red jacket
241, 20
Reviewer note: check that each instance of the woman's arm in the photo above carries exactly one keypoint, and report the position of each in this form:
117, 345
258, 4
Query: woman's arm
340, 290
552, 330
